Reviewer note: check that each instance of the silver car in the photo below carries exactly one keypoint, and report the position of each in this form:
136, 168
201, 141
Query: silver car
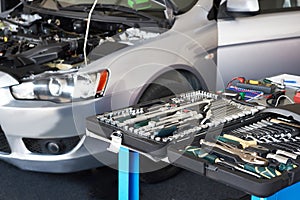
64, 60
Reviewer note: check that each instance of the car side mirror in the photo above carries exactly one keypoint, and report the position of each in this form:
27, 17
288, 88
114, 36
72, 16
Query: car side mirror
242, 6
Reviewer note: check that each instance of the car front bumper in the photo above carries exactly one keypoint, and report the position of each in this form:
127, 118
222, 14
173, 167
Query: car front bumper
90, 154
46, 121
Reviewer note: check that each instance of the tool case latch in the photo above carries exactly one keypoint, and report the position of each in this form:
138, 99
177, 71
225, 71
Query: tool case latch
211, 168
116, 141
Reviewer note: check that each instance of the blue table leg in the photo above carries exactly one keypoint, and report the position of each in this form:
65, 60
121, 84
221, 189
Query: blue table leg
290, 193
128, 175
129, 180
123, 174
134, 189
273, 197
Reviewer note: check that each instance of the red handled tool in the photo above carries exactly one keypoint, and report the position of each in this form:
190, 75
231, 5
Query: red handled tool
297, 97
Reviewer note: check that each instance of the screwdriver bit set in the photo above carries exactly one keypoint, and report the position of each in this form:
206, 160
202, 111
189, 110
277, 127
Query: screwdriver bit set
247, 146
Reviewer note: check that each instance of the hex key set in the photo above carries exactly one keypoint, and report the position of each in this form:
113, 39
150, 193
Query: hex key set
244, 145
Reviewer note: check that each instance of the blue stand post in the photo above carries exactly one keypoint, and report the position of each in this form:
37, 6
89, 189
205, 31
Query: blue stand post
123, 174
289, 193
129, 180
128, 175
134, 176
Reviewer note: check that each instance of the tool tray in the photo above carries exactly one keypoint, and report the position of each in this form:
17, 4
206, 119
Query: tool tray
151, 147
235, 179
214, 122
107, 124
261, 187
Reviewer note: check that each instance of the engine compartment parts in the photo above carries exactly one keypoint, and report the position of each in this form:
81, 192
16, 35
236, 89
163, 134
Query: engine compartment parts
35, 41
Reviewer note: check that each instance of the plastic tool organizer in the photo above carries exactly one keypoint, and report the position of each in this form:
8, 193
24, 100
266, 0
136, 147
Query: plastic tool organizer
151, 126
248, 147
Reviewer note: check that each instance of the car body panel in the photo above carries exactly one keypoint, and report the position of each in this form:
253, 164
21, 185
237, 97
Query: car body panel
262, 45
84, 156
7, 80
142, 63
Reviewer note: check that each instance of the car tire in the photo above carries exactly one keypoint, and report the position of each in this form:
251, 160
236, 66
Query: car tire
162, 170
159, 175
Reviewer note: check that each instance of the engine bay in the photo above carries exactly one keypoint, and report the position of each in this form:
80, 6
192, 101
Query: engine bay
33, 42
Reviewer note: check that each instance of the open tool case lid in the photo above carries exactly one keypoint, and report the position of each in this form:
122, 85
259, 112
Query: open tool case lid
261, 187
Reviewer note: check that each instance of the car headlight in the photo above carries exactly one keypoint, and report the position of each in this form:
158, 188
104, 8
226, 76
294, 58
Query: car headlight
61, 88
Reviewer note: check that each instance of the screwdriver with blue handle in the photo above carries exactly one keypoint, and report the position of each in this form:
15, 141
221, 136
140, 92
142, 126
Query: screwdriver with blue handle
257, 171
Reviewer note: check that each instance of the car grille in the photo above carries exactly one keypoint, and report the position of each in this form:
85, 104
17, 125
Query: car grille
4, 146
41, 145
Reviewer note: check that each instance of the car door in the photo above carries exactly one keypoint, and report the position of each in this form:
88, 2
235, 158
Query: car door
262, 44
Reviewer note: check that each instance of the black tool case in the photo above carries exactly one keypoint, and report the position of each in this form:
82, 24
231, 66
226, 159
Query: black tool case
236, 179
104, 124
208, 127
239, 180
155, 149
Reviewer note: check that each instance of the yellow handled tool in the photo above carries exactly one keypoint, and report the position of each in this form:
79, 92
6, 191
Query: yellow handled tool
244, 143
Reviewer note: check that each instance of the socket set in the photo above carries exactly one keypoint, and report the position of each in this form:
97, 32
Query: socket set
150, 126
258, 154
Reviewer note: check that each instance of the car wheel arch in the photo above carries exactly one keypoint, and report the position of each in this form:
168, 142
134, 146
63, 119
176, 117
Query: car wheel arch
173, 79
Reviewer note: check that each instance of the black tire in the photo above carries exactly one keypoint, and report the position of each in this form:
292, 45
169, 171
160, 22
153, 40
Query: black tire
167, 85
166, 172
193, 81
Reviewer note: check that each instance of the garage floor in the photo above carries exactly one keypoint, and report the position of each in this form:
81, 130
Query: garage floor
102, 184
